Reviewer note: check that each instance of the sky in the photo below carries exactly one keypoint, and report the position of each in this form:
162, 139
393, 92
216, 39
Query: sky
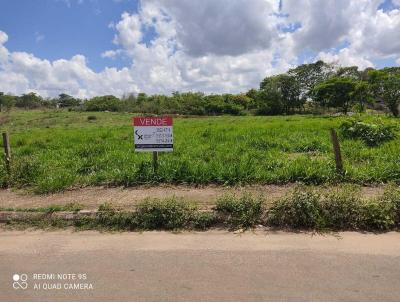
97, 47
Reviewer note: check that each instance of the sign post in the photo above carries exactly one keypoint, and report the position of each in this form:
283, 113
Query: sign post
153, 134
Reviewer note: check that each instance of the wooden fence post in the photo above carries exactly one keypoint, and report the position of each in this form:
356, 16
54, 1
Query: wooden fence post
336, 150
7, 151
155, 161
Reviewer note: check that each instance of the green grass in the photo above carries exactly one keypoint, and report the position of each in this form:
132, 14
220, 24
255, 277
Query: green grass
69, 207
56, 150
306, 208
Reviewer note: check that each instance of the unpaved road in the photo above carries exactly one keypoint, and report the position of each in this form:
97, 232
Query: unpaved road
92, 197
210, 266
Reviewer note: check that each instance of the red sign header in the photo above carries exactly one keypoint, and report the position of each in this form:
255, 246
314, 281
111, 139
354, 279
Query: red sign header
152, 121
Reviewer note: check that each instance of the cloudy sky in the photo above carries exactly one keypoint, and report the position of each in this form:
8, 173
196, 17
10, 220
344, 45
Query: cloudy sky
96, 47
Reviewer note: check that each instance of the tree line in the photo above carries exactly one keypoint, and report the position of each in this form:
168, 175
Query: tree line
315, 87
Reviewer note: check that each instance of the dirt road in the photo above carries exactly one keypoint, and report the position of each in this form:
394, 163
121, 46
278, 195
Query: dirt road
92, 197
210, 266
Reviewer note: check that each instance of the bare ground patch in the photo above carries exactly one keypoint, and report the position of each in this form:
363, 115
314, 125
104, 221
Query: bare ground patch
92, 197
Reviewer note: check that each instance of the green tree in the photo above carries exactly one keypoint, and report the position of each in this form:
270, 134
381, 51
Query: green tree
65, 100
336, 92
103, 103
310, 75
349, 72
391, 93
29, 101
269, 101
6, 101
361, 95
287, 87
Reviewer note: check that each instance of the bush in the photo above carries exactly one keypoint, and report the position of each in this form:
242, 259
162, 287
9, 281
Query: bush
301, 209
392, 196
341, 208
338, 209
242, 212
91, 118
171, 213
203, 220
370, 134
377, 215
103, 103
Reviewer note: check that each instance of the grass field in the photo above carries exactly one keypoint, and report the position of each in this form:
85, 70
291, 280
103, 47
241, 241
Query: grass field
56, 150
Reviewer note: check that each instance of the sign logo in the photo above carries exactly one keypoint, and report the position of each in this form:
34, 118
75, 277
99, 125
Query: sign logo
20, 281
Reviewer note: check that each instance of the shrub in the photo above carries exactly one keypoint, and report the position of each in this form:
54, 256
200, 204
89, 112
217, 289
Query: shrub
103, 103
108, 217
106, 207
242, 212
91, 118
377, 215
370, 134
171, 213
203, 220
301, 209
341, 208
392, 196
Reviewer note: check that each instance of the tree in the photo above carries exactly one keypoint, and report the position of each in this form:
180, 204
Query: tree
29, 101
349, 72
361, 94
6, 101
269, 101
287, 87
65, 100
103, 103
391, 93
310, 75
336, 92
376, 78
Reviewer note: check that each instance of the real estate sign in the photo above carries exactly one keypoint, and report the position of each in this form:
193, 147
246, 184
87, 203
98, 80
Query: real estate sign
153, 134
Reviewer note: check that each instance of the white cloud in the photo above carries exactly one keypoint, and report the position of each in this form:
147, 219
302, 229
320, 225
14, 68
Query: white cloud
111, 54
345, 57
214, 46
39, 37
21, 72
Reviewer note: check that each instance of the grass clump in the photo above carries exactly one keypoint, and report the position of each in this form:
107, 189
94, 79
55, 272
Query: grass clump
169, 214
203, 220
341, 207
69, 207
91, 118
301, 209
371, 134
376, 215
240, 212
392, 196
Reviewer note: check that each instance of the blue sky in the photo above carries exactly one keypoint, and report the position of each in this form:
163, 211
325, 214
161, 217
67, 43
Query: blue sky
92, 47
61, 29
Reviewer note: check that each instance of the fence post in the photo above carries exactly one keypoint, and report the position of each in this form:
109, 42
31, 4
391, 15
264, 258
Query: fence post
7, 151
155, 161
336, 150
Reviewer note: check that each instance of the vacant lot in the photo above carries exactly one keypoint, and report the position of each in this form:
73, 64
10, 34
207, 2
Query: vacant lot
56, 150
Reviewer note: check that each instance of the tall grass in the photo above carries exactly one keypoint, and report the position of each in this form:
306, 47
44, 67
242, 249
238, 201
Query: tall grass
56, 150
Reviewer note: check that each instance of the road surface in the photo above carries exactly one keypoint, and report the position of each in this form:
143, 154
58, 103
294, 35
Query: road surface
209, 266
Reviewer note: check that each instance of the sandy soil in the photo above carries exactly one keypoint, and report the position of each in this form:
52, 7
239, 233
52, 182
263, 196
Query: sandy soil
92, 197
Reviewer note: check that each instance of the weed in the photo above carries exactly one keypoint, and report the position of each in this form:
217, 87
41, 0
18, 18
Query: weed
242, 212
371, 134
301, 209
341, 207
169, 214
